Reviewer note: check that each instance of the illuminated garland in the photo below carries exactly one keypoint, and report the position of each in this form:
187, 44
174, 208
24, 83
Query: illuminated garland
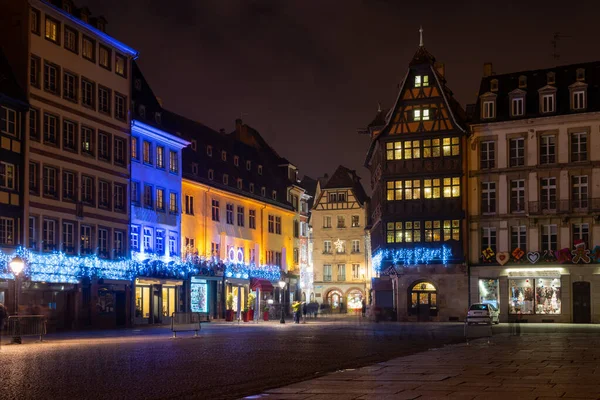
414, 256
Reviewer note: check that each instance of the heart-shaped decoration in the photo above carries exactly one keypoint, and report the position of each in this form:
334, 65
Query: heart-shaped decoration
533, 257
502, 258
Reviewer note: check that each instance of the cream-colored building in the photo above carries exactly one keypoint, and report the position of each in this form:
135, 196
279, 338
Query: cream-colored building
340, 260
534, 190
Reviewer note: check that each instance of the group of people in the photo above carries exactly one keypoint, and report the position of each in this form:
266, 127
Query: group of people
301, 308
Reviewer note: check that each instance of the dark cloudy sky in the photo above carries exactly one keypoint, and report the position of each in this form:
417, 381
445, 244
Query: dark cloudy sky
307, 74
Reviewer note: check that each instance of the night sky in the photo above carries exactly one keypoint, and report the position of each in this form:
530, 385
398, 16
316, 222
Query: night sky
308, 74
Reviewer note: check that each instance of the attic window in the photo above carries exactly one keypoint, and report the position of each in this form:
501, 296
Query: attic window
225, 179
209, 150
142, 111
421, 114
224, 155
551, 80
580, 74
489, 109
158, 117
248, 165
236, 161
494, 85
263, 191
194, 144
252, 188
138, 84
194, 168
260, 169
239, 184
421, 80
274, 195
522, 82
211, 174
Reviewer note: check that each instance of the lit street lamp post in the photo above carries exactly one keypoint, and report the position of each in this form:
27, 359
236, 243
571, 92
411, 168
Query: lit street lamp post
16, 265
282, 286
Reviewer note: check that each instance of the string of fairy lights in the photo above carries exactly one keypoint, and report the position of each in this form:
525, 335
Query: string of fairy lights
412, 256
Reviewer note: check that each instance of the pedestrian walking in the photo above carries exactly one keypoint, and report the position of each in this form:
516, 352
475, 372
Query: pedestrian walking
364, 308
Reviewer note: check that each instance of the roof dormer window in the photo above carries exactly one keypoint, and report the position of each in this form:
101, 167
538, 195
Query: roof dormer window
158, 117
194, 168
578, 99
580, 74
248, 165
138, 84
251, 187
225, 179
551, 78
488, 109
211, 174
142, 111
548, 102
239, 184
236, 161
274, 195
421, 80
517, 106
494, 85
522, 82
421, 114
224, 155
209, 150
194, 144
260, 169
263, 191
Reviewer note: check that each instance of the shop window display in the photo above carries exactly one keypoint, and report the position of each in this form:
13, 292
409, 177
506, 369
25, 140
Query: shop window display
521, 296
199, 295
547, 296
488, 292
534, 296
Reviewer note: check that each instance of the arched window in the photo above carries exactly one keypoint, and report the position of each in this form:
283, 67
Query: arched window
422, 299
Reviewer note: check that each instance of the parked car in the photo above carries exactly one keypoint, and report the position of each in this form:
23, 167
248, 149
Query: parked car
483, 314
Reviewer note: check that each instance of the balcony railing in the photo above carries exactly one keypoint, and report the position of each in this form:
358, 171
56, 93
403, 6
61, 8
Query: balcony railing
326, 278
517, 206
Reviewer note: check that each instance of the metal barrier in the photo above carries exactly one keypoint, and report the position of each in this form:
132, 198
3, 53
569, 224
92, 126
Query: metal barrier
187, 321
27, 325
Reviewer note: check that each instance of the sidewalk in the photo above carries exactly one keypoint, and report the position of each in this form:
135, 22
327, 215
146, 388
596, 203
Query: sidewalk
510, 367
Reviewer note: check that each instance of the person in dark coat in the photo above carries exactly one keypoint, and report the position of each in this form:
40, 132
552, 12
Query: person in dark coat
364, 307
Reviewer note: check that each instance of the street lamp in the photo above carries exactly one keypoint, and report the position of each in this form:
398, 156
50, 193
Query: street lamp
16, 265
282, 286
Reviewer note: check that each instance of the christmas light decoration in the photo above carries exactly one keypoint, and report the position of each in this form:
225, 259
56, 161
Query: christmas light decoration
413, 256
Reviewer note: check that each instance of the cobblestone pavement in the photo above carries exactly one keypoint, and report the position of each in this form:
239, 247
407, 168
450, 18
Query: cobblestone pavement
533, 366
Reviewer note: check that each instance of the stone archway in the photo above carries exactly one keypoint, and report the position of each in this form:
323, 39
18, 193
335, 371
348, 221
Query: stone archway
422, 299
335, 299
354, 297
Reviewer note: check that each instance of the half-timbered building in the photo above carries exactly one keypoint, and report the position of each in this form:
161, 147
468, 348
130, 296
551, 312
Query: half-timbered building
416, 159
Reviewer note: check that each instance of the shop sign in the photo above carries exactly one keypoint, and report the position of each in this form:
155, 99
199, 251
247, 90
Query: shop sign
535, 274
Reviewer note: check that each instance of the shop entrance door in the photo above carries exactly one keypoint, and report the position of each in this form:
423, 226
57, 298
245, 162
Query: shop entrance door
156, 302
120, 309
581, 303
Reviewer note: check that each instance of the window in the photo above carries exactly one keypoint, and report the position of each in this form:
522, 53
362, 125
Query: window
451, 146
121, 65
71, 40
278, 225
120, 107
173, 243
522, 81
252, 219
88, 49
581, 233
50, 129
433, 231
225, 179
296, 229
7, 175
548, 103
236, 161
296, 255
421, 80
148, 200
142, 111
341, 222
34, 71
494, 85
241, 216
489, 109
34, 124
173, 203
120, 146
548, 193
451, 230
35, 21
517, 195
160, 157
278, 258
160, 199
579, 191
248, 165
224, 155
135, 238
452, 187
578, 100
488, 197
51, 78
48, 235
195, 168
70, 86
68, 186
356, 271
209, 151
173, 162
333, 197
327, 222
189, 205
431, 147
52, 32
119, 245
394, 150
68, 243
85, 240
215, 250
102, 243
88, 93
274, 195
517, 106
147, 152
32, 233
215, 210
103, 146
134, 148
260, 169
119, 197
412, 149
549, 238
148, 233
263, 191
239, 183
341, 272
327, 247
211, 174
69, 135
104, 95
229, 214
517, 152
421, 114
271, 224
87, 140
355, 221
8, 121
579, 147
87, 190
327, 273
487, 155
488, 239
34, 178
104, 57
356, 246
518, 237
159, 245
50, 182
548, 149
432, 188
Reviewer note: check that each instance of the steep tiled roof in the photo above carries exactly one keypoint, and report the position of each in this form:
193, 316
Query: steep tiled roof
347, 178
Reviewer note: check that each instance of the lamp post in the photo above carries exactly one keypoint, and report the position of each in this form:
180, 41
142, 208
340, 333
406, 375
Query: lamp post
282, 286
16, 265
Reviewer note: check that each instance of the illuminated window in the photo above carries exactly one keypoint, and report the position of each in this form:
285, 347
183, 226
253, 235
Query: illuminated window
431, 188
421, 80
412, 149
394, 232
412, 190
52, 30
452, 187
394, 150
451, 146
412, 231
394, 190
431, 148
433, 231
421, 114
451, 230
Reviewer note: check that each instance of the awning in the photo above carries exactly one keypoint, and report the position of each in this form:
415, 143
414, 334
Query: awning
262, 284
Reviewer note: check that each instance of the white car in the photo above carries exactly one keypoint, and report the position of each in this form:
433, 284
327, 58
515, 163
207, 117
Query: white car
480, 313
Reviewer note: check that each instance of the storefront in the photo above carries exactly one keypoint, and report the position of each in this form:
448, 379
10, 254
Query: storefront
157, 299
206, 296
422, 300
236, 295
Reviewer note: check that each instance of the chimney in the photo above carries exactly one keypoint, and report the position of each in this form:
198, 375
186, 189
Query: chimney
487, 70
440, 68
238, 125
